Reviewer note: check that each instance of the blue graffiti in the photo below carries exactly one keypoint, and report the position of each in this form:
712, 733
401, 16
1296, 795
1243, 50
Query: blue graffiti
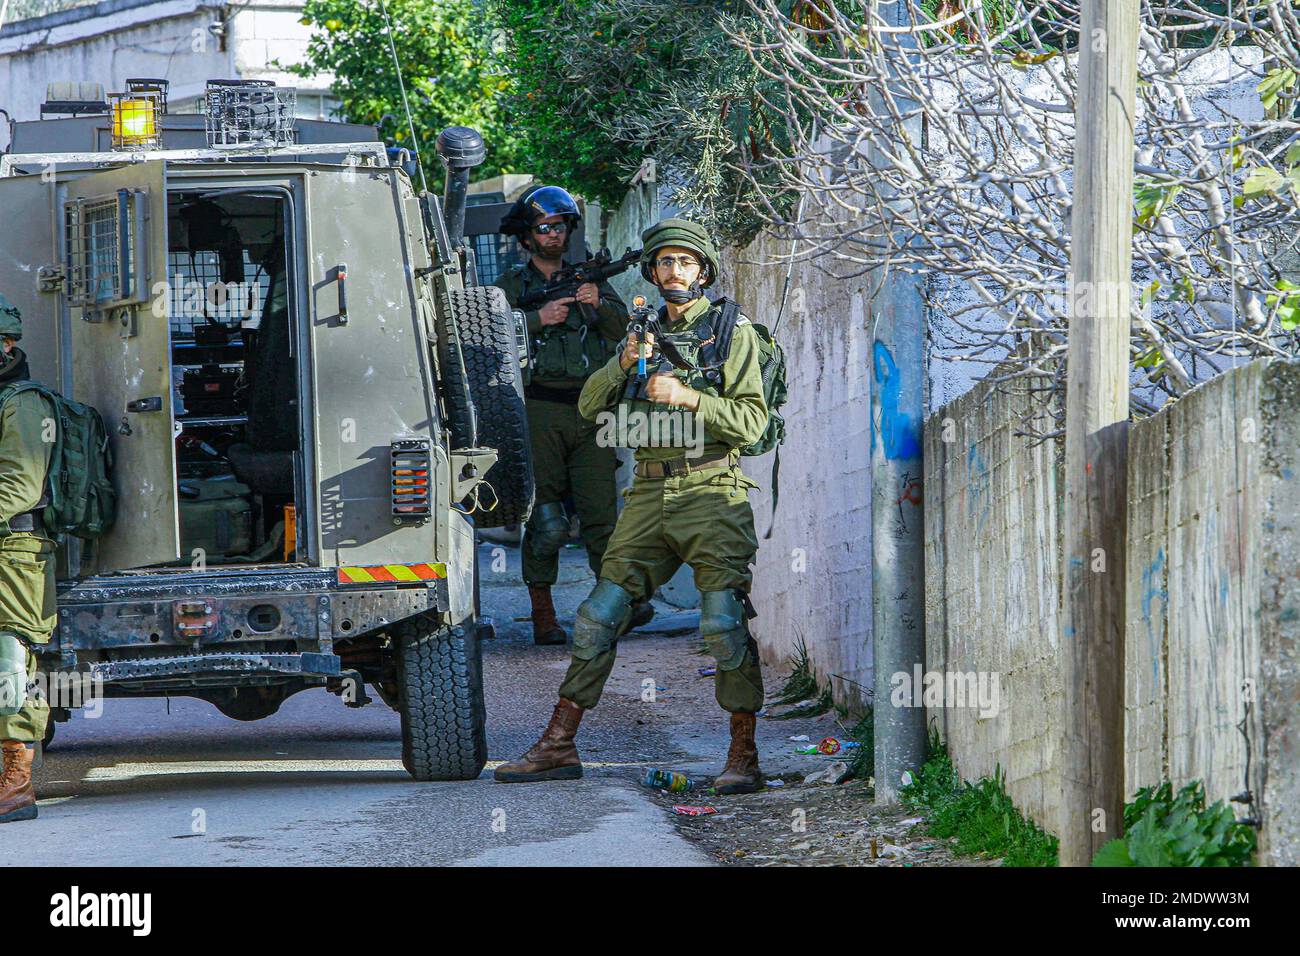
977, 488
899, 432
1150, 578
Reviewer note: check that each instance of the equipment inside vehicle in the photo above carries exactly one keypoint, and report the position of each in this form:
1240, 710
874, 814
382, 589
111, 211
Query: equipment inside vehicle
235, 375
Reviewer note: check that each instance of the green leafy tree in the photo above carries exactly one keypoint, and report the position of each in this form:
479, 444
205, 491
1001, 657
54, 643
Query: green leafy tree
601, 85
450, 55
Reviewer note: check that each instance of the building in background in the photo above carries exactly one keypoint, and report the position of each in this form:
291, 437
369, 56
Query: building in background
186, 42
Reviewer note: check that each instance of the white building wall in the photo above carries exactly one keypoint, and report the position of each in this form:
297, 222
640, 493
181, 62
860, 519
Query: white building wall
186, 42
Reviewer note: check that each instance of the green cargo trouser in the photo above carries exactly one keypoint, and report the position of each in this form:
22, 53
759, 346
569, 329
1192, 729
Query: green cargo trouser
567, 460
27, 609
701, 519
28, 725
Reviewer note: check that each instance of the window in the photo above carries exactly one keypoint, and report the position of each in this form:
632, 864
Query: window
102, 238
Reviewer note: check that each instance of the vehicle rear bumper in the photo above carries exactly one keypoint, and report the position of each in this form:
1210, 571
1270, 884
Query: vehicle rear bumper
251, 615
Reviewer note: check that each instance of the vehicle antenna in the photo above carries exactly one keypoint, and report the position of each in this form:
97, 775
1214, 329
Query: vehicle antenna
415, 144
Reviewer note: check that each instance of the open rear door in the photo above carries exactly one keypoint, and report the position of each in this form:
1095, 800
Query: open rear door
115, 241
29, 265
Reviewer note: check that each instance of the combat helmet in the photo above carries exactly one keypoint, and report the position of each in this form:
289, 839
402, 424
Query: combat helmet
11, 320
536, 203
684, 233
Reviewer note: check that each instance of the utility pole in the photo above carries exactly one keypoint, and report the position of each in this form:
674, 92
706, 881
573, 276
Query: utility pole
897, 515
1096, 431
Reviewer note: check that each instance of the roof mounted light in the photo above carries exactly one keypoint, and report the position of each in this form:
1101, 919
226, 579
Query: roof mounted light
73, 99
137, 114
248, 113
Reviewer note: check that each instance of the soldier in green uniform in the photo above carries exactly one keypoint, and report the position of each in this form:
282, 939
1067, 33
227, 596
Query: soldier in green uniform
688, 503
26, 570
573, 337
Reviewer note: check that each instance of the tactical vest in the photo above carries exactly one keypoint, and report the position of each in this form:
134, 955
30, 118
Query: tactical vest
695, 342
569, 350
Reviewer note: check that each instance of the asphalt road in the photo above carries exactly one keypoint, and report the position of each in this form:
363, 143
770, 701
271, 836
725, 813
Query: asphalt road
156, 782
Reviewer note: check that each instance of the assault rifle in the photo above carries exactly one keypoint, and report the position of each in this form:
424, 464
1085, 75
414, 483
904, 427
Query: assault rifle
650, 358
564, 281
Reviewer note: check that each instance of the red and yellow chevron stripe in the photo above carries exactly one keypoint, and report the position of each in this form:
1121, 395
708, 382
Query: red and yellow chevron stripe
392, 573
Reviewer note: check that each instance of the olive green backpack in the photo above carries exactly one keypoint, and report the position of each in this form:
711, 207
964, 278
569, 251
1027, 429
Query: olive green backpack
82, 501
771, 365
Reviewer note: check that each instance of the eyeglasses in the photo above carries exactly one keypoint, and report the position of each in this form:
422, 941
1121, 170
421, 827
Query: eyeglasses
547, 228
682, 262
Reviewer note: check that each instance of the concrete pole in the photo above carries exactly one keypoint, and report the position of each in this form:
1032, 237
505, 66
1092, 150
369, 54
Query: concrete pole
1096, 432
897, 540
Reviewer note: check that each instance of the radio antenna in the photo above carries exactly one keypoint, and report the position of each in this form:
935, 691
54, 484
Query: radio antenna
410, 123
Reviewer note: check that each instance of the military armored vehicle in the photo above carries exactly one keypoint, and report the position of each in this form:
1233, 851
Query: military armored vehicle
309, 400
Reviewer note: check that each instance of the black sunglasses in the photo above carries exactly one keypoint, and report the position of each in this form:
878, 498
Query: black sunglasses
547, 228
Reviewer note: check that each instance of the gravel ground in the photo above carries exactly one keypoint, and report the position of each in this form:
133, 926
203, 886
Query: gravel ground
679, 726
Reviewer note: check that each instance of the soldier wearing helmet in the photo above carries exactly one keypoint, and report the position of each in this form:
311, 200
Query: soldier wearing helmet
26, 569
682, 508
573, 336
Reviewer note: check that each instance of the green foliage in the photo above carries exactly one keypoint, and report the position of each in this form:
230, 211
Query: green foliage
451, 64
1151, 198
601, 85
863, 762
1162, 828
802, 682
981, 816
802, 685
1287, 304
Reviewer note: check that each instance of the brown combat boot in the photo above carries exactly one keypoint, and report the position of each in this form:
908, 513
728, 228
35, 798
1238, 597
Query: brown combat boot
741, 774
546, 629
554, 756
17, 799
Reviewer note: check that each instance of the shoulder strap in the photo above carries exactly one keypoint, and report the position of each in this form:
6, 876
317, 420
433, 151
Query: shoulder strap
15, 388
724, 327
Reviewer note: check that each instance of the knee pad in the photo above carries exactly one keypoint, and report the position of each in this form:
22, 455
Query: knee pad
548, 529
722, 625
600, 619
13, 674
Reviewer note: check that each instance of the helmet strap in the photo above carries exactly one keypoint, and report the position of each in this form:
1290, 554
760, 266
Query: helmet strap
678, 297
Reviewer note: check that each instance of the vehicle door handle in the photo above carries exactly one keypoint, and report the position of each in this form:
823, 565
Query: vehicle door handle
341, 275
150, 404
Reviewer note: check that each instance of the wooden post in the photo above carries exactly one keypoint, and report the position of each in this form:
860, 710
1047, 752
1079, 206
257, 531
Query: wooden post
1096, 431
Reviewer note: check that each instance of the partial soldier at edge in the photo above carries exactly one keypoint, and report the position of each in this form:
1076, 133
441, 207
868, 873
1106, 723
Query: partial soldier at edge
27, 596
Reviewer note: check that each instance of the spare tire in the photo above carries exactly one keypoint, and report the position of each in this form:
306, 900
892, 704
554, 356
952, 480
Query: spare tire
486, 331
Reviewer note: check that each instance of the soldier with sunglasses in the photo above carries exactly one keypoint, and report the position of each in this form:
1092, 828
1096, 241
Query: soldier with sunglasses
573, 337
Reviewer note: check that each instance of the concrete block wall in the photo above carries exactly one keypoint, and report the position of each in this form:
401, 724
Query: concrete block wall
1213, 631
992, 554
171, 39
812, 579
1212, 594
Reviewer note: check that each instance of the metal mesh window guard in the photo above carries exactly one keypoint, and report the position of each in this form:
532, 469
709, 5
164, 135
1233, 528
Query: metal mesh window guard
249, 113
494, 253
97, 233
198, 294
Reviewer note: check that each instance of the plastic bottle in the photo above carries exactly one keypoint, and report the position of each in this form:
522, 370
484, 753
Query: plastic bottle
669, 780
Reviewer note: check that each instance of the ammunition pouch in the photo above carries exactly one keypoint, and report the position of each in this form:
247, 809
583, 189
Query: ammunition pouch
13, 674
547, 530
601, 619
723, 628
569, 351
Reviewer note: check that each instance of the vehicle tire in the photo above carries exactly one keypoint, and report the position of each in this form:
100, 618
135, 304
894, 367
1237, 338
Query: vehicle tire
487, 339
440, 699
